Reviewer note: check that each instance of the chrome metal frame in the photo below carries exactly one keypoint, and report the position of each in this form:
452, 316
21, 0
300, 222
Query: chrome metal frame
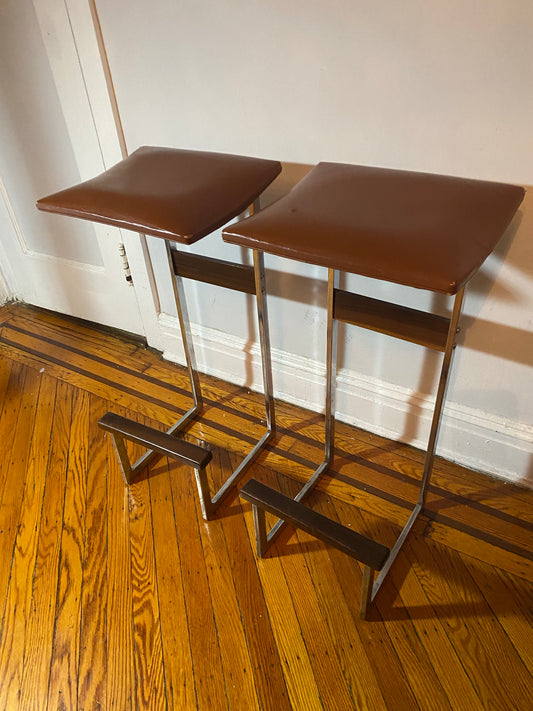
209, 503
264, 539
331, 388
190, 357
430, 450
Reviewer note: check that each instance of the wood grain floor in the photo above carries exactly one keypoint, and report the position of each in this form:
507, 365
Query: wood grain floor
126, 599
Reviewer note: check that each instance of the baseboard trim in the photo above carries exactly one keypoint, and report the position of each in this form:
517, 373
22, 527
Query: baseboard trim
476, 439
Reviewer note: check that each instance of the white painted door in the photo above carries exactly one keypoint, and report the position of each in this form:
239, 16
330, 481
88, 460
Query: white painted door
49, 139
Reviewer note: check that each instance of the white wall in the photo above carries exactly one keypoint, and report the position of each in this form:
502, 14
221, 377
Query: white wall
430, 86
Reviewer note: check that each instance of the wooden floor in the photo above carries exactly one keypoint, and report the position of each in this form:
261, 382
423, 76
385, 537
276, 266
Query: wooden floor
126, 599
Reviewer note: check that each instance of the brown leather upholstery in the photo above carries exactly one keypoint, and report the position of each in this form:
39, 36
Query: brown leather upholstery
175, 194
427, 231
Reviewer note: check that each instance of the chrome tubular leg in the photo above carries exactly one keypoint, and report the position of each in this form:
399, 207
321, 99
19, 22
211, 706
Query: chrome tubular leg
203, 492
441, 394
261, 543
122, 455
331, 379
432, 441
332, 330
264, 337
185, 329
331, 365
366, 591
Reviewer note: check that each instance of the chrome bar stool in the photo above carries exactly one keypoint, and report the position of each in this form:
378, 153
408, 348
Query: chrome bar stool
181, 196
430, 232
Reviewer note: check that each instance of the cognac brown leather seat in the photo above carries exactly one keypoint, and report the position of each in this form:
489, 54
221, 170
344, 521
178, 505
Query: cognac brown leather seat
179, 195
427, 231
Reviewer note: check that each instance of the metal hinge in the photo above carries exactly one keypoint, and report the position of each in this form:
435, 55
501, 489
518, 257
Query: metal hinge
125, 263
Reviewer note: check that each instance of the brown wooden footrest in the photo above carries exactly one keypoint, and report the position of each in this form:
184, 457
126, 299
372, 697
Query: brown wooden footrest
372, 554
122, 428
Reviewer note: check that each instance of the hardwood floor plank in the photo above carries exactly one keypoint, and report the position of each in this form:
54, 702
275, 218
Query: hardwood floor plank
511, 601
63, 687
264, 656
344, 631
415, 654
356, 480
236, 663
8, 421
110, 372
157, 608
475, 547
203, 632
120, 689
327, 670
149, 671
426, 622
6, 365
213, 435
19, 408
167, 371
179, 673
13, 634
92, 674
378, 645
416, 657
41, 618
488, 656
71, 331
297, 665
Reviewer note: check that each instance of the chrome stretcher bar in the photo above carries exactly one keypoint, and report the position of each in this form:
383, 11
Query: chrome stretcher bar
181, 196
424, 231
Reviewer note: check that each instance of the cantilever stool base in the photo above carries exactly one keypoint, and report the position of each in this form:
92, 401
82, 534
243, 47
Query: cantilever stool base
181, 196
425, 231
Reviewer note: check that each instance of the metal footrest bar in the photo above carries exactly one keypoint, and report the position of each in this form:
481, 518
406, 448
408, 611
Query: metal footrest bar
373, 555
160, 443
152, 454
122, 428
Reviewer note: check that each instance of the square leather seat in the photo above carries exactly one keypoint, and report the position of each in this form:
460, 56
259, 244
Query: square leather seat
421, 230
181, 195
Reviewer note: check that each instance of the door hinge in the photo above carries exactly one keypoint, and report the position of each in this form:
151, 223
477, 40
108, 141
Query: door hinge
125, 264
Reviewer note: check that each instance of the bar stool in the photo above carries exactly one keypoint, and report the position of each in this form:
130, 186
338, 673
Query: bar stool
180, 196
426, 231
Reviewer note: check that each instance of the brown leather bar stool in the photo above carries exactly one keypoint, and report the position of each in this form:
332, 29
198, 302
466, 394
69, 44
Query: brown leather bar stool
180, 196
426, 231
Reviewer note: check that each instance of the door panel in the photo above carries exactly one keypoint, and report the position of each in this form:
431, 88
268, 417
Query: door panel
48, 141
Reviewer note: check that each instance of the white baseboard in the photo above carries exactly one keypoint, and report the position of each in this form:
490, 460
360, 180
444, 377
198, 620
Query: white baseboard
485, 442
